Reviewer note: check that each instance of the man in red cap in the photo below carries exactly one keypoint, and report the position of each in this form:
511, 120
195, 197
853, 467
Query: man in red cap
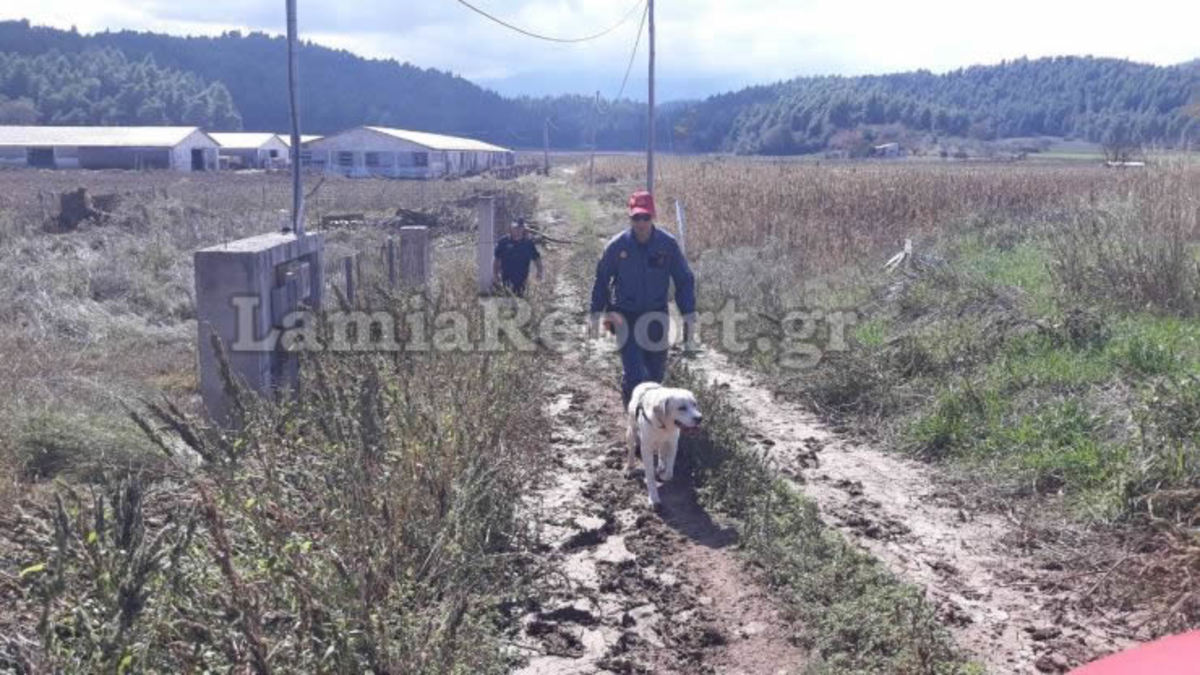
633, 280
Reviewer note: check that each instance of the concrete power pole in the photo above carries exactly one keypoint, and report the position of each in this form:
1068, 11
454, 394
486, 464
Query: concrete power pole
595, 123
650, 141
546, 147
297, 191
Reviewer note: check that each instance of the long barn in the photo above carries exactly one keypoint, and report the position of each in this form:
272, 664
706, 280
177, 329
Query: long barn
399, 153
250, 150
47, 147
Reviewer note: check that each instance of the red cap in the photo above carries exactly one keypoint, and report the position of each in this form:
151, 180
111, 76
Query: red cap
641, 202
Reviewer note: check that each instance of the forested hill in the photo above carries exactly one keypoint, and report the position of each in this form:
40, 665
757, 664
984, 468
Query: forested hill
56, 76
1088, 98
104, 87
338, 90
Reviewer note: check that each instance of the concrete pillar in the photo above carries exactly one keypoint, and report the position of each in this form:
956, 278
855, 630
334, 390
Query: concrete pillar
244, 289
485, 213
348, 267
681, 221
390, 258
416, 266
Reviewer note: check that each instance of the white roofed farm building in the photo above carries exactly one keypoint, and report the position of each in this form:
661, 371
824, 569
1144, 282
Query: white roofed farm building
46, 147
304, 138
398, 153
251, 150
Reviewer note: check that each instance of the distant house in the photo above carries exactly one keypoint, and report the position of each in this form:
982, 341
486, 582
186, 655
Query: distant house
250, 150
398, 153
177, 148
886, 150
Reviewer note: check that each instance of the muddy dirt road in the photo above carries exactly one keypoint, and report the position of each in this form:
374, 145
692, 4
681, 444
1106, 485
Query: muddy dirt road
633, 591
905, 515
639, 592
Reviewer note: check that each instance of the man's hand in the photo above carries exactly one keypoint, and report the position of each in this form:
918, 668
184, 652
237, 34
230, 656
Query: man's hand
613, 321
593, 325
691, 339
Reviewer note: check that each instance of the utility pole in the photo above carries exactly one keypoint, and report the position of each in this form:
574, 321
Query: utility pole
546, 147
650, 141
297, 191
595, 123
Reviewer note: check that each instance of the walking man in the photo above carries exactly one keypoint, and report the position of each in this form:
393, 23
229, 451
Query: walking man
514, 252
630, 294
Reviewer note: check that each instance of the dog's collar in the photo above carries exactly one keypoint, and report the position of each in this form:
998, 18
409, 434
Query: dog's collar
642, 411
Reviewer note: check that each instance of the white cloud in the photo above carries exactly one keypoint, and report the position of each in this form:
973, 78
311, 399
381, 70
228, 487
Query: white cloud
704, 45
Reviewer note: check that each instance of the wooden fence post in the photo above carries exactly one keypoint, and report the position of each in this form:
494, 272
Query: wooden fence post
485, 211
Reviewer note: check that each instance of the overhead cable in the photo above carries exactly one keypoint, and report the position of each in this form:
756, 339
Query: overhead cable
552, 38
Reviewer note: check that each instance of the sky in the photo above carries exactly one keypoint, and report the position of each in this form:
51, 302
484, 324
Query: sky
704, 47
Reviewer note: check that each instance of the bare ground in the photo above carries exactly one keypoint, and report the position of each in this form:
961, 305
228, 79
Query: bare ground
1005, 611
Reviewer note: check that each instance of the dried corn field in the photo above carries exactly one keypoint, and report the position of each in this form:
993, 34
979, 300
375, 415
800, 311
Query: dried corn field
830, 215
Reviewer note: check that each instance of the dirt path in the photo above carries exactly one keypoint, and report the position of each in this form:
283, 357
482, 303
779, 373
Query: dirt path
899, 511
632, 591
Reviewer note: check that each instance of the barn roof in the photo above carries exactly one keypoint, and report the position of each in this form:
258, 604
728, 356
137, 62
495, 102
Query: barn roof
128, 137
242, 140
439, 141
304, 138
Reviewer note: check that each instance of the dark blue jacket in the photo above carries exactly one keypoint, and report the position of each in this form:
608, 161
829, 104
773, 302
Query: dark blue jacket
515, 257
634, 277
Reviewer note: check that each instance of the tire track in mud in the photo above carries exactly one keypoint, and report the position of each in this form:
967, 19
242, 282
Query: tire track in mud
633, 591
901, 513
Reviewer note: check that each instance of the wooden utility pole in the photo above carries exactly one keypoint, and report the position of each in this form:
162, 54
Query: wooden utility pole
650, 140
297, 191
546, 147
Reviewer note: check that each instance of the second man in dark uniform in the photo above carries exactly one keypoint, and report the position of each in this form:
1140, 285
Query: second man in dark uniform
514, 253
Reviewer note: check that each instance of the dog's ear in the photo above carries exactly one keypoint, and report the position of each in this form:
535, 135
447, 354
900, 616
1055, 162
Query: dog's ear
662, 410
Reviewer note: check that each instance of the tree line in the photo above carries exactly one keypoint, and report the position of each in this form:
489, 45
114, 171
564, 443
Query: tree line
238, 80
102, 86
1081, 97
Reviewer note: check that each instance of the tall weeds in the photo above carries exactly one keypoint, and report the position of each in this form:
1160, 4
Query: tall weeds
366, 525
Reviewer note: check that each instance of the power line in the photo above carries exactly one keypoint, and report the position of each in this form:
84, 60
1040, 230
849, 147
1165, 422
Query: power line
633, 56
551, 38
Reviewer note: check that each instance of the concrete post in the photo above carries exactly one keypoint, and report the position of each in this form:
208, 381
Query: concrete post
351, 291
244, 289
681, 220
485, 211
415, 259
390, 254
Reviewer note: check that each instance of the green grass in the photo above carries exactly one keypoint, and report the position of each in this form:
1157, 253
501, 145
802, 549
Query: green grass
857, 617
990, 364
871, 333
1023, 266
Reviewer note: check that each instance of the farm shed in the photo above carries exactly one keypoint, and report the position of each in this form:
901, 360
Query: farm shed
178, 148
251, 150
398, 153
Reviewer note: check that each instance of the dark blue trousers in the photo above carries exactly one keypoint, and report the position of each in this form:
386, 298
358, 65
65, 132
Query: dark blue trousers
644, 348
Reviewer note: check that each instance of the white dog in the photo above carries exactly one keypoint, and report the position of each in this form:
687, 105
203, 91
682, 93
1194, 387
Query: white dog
656, 415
